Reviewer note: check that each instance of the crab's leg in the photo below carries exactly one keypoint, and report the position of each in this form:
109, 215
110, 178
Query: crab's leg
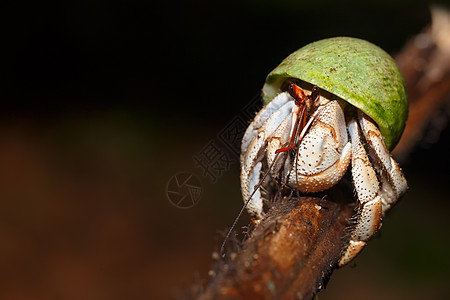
277, 156
251, 158
394, 185
278, 160
325, 179
324, 153
297, 117
367, 188
260, 118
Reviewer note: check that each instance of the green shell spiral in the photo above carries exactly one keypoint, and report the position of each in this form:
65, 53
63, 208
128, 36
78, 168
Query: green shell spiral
356, 71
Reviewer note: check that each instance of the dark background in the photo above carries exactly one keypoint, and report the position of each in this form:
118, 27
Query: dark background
103, 102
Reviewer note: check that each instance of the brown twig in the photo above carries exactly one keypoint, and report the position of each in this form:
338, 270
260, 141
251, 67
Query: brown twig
289, 255
425, 65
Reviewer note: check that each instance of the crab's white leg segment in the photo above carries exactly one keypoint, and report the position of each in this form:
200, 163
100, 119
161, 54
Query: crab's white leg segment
364, 176
250, 174
325, 179
251, 158
367, 188
261, 117
396, 184
279, 138
324, 153
352, 250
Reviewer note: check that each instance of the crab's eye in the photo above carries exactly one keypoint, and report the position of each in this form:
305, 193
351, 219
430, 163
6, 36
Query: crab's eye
314, 93
291, 90
297, 93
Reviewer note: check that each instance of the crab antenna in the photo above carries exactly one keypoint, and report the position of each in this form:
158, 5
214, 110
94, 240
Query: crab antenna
246, 204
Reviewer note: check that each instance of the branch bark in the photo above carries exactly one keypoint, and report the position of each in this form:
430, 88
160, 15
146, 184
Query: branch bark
291, 254
425, 64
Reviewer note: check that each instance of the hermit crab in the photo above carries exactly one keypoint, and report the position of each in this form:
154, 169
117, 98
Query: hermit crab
332, 105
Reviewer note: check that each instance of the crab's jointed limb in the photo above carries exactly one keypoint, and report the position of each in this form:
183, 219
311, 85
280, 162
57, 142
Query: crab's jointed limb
367, 187
254, 142
324, 153
374, 199
393, 182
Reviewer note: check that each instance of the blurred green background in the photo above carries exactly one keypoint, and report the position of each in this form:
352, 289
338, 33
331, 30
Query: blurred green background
103, 102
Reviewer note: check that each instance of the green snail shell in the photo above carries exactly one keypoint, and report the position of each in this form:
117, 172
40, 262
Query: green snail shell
356, 71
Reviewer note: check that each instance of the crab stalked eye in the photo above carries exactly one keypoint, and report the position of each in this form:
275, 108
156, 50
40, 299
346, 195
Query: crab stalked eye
354, 70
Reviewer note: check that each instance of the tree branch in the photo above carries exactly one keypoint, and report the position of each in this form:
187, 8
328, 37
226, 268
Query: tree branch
291, 254
425, 64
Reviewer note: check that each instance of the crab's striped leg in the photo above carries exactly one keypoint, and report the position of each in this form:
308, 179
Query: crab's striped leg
367, 189
394, 184
251, 160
